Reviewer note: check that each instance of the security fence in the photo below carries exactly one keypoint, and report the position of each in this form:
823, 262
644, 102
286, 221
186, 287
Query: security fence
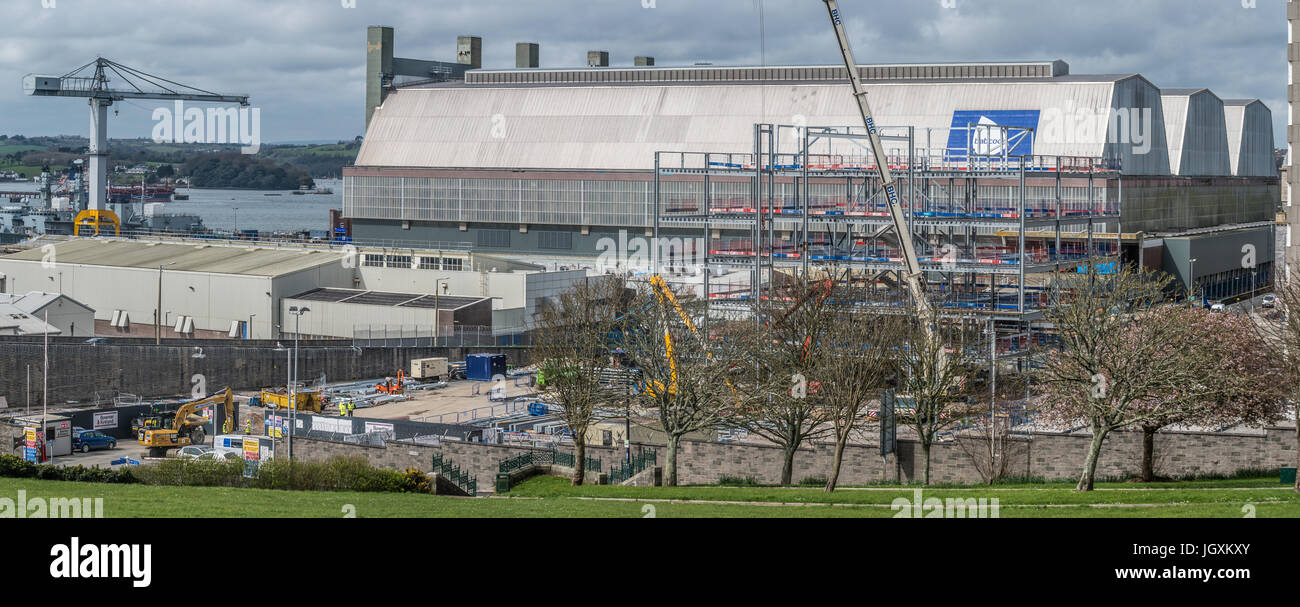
410, 336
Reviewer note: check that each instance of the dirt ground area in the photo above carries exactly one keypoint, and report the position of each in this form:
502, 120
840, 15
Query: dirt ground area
467, 398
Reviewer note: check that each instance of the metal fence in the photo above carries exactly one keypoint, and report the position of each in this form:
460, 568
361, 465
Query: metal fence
542, 458
412, 336
453, 473
623, 471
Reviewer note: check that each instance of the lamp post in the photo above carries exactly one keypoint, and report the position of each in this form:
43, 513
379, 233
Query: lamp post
437, 311
1191, 280
293, 385
236, 229
157, 313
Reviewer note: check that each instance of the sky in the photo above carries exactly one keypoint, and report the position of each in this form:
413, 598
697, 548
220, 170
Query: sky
302, 62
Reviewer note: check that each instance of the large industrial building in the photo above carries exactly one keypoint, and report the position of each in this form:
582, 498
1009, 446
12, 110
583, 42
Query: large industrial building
214, 289
557, 162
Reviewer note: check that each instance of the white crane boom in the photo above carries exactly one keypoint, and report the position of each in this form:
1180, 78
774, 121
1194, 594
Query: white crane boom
138, 85
912, 273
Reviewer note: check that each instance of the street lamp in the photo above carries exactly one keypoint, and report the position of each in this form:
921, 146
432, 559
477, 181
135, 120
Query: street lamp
157, 313
236, 229
437, 319
293, 384
1191, 279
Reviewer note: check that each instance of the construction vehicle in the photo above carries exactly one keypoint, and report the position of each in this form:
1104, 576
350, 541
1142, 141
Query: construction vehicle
393, 386
304, 400
912, 273
186, 428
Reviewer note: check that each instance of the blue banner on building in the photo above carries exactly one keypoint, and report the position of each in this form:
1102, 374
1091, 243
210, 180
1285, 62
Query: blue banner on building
979, 132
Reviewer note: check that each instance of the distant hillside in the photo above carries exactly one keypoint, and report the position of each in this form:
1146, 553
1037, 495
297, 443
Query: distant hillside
239, 171
321, 161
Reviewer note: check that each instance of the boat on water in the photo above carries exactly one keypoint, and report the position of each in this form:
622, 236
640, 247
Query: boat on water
140, 193
61, 195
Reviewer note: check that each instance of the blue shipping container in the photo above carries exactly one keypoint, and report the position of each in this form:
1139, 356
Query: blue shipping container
483, 367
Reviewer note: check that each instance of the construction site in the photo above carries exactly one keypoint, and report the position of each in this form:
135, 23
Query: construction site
961, 189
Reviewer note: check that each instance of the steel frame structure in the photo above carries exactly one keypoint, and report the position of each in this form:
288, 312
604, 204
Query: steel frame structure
948, 199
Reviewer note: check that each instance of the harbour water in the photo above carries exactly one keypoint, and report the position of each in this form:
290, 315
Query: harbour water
257, 211
249, 209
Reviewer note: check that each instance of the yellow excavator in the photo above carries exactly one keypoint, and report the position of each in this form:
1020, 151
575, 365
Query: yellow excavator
186, 427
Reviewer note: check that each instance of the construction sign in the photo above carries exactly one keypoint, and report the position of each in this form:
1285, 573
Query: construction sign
34, 446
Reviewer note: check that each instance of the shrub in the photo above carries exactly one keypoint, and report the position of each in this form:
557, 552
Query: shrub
414, 481
12, 466
736, 480
813, 481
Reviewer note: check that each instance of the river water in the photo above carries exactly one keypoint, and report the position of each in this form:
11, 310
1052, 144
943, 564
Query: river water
249, 209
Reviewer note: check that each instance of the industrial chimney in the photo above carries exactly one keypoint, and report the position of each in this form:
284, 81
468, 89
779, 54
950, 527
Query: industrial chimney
527, 54
598, 59
469, 51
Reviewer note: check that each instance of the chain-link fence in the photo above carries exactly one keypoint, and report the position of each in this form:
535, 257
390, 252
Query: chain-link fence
412, 336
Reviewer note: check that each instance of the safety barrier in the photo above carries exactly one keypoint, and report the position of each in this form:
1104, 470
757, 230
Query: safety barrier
638, 463
454, 474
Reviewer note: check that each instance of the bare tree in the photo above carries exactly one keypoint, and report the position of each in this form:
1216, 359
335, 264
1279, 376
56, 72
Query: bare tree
935, 367
857, 363
686, 378
572, 342
778, 381
1125, 357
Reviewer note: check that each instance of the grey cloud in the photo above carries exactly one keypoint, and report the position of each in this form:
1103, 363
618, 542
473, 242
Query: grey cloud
303, 60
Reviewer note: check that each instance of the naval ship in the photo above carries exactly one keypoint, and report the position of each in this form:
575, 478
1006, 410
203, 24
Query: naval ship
60, 195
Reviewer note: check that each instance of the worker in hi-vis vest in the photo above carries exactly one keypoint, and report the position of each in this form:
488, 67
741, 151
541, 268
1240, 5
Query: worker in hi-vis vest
352, 408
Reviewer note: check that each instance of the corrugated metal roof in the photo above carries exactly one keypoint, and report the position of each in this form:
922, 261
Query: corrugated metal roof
1196, 133
217, 259
621, 127
1249, 124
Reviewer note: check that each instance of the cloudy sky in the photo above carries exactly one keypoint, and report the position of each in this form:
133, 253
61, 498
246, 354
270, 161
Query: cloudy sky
303, 61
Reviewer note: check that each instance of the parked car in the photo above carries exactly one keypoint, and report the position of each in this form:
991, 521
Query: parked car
1268, 301
92, 439
193, 451
230, 457
1218, 307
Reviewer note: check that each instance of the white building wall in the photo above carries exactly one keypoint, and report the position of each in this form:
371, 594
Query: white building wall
621, 127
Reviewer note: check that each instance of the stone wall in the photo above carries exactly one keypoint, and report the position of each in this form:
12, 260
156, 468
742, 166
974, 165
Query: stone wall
1049, 456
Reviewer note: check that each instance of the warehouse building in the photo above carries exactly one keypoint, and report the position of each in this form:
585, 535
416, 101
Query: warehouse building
555, 162
214, 289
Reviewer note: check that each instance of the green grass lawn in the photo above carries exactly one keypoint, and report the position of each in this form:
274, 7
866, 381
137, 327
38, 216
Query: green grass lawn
552, 497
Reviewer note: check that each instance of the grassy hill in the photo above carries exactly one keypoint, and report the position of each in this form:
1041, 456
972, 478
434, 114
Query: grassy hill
552, 497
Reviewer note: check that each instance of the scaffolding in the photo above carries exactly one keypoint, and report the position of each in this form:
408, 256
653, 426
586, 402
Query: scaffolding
990, 223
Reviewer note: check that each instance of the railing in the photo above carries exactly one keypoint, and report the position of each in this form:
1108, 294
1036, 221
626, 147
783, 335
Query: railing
541, 458
523, 460
622, 472
453, 473
566, 459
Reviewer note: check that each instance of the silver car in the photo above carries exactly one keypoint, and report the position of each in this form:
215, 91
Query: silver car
1268, 301
193, 451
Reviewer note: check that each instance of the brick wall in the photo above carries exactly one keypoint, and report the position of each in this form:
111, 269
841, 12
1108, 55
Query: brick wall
1050, 456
